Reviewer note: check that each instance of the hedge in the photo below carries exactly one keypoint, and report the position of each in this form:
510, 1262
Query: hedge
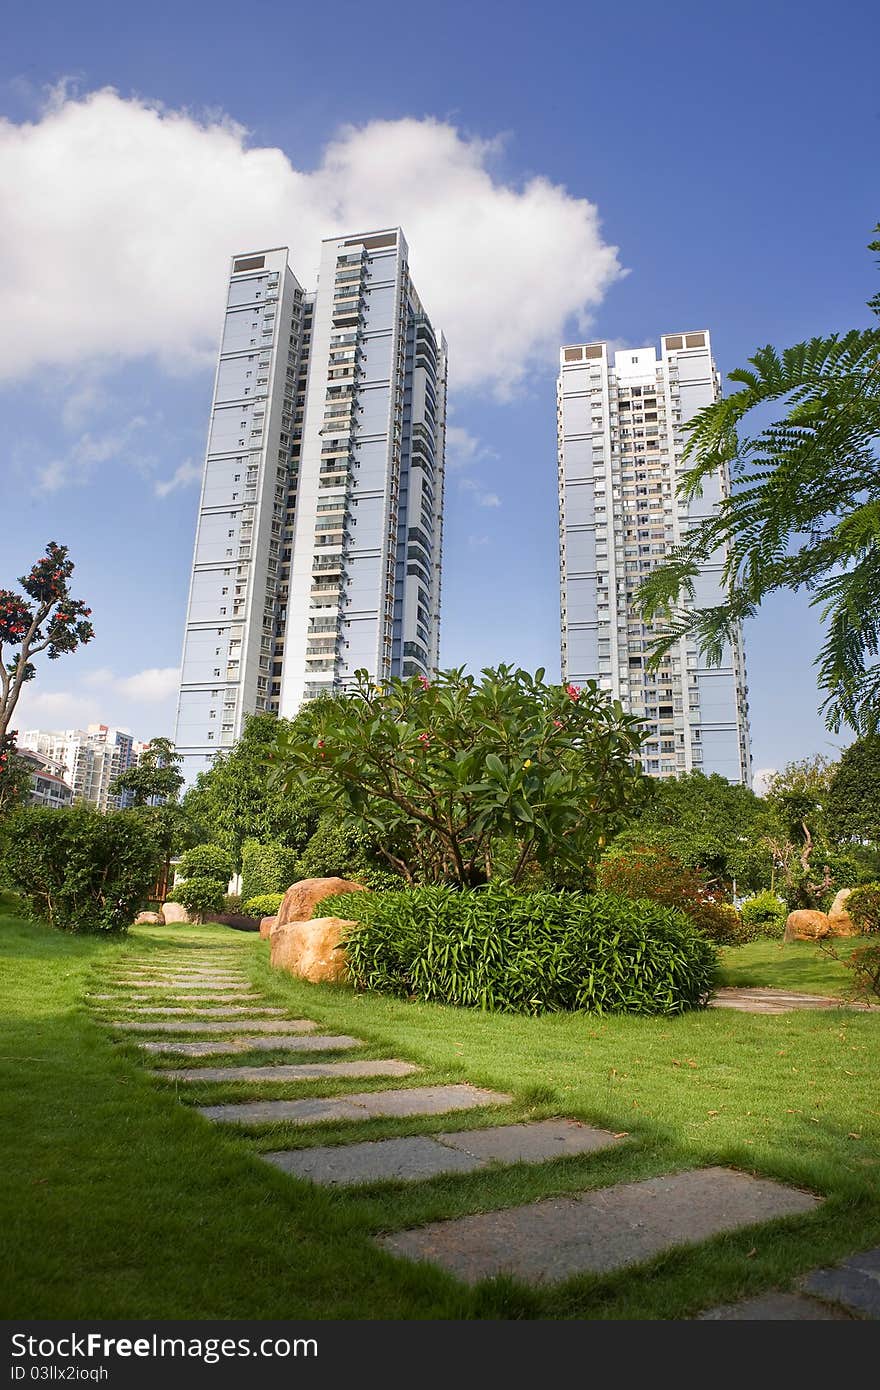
497, 949
266, 868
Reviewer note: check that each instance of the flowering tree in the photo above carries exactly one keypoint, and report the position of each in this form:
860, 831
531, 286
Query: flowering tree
449, 772
47, 620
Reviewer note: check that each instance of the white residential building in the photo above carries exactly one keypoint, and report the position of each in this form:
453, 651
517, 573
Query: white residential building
318, 541
619, 420
89, 759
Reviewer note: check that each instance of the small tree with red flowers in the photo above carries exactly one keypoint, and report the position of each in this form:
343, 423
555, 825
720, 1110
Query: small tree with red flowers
47, 620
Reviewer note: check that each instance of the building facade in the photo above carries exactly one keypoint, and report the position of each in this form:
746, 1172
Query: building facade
48, 787
319, 535
88, 759
620, 444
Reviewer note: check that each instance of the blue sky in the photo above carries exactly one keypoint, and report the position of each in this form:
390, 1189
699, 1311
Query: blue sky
729, 154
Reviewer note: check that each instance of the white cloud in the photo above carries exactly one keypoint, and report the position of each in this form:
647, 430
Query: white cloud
155, 684
188, 472
761, 780
482, 499
125, 214
86, 454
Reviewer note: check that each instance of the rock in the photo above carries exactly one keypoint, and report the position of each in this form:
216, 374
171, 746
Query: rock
174, 912
153, 919
839, 904
841, 924
805, 925
301, 898
308, 949
266, 925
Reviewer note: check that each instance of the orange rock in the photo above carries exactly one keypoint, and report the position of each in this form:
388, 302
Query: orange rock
148, 918
309, 949
805, 925
301, 898
841, 924
174, 912
266, 925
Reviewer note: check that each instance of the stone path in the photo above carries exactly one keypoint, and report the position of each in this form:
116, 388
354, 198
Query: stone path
419, 1100
197, 992
294, 1071
198, 1025
600, 1231
291, 1042
753, 1000
424, 1156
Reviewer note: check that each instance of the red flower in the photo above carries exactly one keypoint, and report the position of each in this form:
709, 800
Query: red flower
557, 723
574, 691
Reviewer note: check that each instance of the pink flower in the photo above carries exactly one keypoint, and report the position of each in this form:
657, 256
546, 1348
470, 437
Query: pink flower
557, 723
574, 691
425, 739
424, 683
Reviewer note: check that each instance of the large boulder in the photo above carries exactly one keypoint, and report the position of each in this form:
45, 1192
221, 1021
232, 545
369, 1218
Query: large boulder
840, 902
153, 919
266, 925
309, 949
805, 925
841, 924
301, 898
174, 912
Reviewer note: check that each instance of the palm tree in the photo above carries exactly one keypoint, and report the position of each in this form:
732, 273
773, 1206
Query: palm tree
804, 513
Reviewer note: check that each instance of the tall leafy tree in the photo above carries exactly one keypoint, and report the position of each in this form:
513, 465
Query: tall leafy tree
853, 802
441, 772
156, 778
803, 513
234, 800
44, 619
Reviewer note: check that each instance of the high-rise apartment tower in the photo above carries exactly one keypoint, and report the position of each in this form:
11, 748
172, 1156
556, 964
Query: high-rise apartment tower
318, 542
619, 421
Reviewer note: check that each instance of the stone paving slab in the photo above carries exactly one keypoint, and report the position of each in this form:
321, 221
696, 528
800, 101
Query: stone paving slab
774, 1307
386, 1160
208, 996
600, 1231
425, 1156
754, 1000
419, 1100
855, 1283
205, 985
299, 1071
198, 1025
308, 1042
233, 1012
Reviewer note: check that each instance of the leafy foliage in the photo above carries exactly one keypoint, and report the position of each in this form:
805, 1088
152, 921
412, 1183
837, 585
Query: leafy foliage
263, 905
500, 950
81, 870
344, 848
765, 912
156, 778
235, 801
46, 620
16, 779
863, 906
804, 512
267, 869
199, 896
648, 872
440, 772
707, 824
206, 861
853, 799
865, 965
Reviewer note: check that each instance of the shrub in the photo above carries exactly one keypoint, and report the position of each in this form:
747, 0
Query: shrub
232, 903
198, 896
531, 953
865, 965
721, 922
263, 905
651, 872
343, 849
266, 868
81, 870
206, 861
863, 906
765, 913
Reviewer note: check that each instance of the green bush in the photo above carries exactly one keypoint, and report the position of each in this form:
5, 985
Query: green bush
263, 905
343, 849
765, 913
232, 902
497, 949
863, 906
721, 922
266, 868
199, 896
206, 861
865, 965
80, 869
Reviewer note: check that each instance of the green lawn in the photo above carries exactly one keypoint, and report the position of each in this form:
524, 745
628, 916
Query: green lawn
800, 966
119, 1201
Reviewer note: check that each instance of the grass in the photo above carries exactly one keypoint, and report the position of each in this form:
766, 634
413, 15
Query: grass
799, 965
118, 1201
